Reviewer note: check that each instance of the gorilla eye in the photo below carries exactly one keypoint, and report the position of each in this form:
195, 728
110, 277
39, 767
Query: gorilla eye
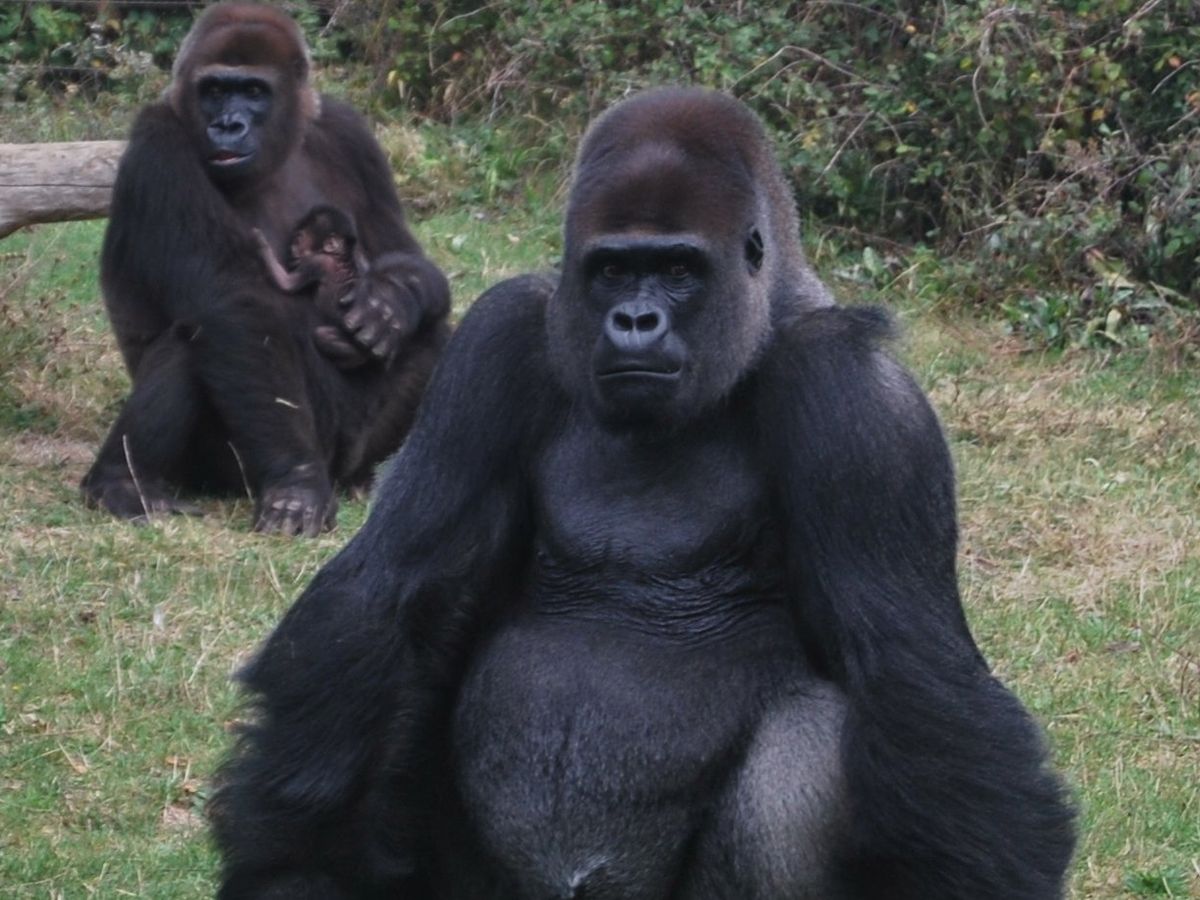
254, 91
679, 270
612, 271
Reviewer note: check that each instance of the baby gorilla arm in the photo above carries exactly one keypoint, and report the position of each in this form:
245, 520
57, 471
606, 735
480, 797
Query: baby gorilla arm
292, 282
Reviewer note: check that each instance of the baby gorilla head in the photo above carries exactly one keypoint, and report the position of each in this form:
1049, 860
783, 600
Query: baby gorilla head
326, 235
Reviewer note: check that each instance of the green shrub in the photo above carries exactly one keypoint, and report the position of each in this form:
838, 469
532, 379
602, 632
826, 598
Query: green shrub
1050, 143
46, 46
1034, 136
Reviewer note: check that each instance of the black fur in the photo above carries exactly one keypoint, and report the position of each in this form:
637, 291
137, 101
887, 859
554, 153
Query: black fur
229, 389
658, 600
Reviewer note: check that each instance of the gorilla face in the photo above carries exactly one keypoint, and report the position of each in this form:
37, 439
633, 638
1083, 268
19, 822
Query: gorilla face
647, 294
234, 108
663, 305
240, 86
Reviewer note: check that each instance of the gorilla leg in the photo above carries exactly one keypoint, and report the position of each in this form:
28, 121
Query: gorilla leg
778, 826
369, 419
149, 443
249, 363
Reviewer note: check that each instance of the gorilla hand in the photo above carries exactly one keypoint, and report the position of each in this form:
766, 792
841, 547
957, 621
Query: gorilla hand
379, 315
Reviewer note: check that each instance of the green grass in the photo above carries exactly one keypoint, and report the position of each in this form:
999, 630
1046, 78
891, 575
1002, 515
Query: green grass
1080, 490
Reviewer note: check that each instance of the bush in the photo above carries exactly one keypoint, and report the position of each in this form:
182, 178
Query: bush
1050, 143
1038, 137
57, 47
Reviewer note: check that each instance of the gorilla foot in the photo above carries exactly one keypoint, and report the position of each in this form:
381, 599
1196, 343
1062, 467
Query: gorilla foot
137, 501
296, 507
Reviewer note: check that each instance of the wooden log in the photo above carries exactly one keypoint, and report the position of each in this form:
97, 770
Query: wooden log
57, 182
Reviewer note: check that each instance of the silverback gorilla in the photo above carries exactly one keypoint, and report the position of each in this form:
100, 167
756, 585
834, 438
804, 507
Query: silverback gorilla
232, 387
657, 601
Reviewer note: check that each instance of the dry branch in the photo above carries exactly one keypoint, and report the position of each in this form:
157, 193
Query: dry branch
57, 182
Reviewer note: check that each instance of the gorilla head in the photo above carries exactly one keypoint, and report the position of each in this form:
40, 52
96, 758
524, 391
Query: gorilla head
681, 247
240, 83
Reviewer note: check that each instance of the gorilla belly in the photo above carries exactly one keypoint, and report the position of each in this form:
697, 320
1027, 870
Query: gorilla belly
586, 753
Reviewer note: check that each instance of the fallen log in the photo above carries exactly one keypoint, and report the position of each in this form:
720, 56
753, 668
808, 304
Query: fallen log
57, 182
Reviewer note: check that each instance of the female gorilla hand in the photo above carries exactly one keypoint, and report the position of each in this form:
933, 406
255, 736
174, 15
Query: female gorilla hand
380, 314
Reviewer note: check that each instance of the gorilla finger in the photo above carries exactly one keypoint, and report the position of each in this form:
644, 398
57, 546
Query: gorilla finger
350, 363
273, 518
266, 523
333, 342
384, 347
346, 299
368, 333
285, 521
334, 346
354, 318
401, 328
312, 523
155, 510
184, 508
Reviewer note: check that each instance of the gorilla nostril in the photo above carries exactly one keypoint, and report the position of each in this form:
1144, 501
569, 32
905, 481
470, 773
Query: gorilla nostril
646, 322
623, 321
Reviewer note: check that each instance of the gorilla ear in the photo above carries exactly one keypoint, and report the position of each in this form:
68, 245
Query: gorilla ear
754, 251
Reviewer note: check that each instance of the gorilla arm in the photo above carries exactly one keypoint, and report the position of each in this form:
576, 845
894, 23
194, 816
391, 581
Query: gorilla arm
402, 289
353, 684
154, 269
945, 770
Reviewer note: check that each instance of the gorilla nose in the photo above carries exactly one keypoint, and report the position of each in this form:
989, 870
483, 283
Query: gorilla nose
631, 326
227, 127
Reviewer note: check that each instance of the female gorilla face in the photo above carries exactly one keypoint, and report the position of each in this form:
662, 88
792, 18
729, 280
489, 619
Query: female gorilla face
234, 108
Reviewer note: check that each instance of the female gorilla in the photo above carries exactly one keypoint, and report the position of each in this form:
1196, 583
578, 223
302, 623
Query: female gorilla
234, 382
659, 598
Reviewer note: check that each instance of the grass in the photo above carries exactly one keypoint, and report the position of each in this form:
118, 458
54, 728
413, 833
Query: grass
1079, 482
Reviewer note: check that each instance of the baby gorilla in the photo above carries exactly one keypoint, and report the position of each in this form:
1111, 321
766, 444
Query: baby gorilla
323, 252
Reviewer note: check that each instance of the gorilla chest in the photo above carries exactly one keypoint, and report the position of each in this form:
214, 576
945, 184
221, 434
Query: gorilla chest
276, 208
626, 506
595, 722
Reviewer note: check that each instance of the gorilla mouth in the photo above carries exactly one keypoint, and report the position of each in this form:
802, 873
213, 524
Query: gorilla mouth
639, 370
228, 158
